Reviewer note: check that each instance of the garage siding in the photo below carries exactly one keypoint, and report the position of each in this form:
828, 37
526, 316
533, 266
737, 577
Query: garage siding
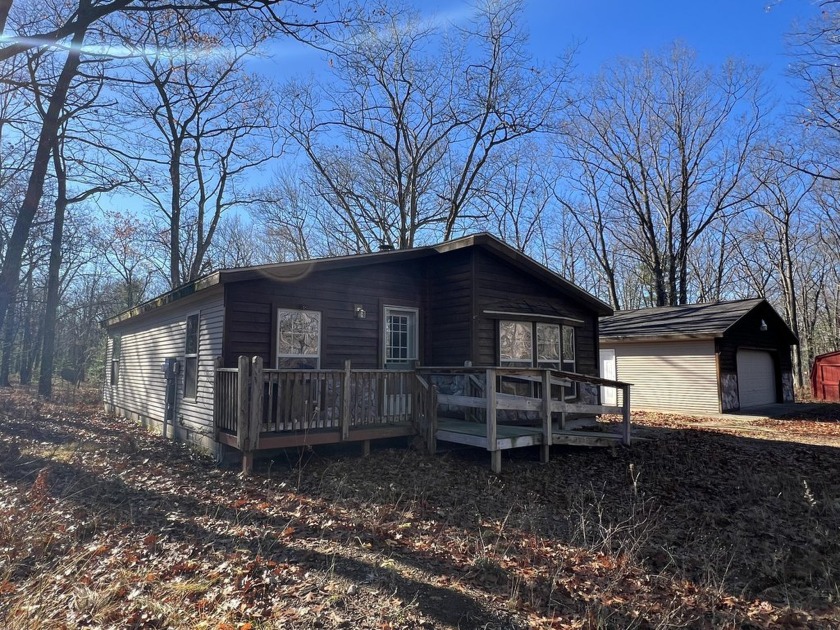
669, 376
140, 392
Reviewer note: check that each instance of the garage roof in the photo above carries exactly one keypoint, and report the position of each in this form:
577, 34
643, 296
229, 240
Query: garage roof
691, 321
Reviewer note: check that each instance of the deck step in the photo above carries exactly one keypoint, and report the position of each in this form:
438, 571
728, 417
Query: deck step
512, 436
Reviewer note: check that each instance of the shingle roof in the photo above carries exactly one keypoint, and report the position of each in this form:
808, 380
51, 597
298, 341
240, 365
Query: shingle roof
300, 269
711, 319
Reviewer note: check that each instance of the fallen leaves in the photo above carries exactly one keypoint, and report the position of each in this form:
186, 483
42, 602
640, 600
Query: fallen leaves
699, 528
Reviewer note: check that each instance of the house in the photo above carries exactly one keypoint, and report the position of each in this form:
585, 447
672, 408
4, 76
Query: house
347, 339
700, 358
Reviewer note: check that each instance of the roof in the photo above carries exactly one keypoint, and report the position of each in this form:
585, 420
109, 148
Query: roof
690, 321
300, 269
827, 355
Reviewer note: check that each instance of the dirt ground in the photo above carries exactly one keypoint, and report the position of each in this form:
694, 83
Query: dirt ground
701, 525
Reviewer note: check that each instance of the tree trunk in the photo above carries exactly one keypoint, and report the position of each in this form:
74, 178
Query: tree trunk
9, 334
27, 352
10, 272
175, 218
51, 309
5, 7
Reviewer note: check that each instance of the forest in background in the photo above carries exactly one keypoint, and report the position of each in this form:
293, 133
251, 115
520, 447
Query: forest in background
141, 150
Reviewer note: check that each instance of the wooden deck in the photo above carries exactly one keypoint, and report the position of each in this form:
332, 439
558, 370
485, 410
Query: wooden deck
291, 439
479, 394
499, 408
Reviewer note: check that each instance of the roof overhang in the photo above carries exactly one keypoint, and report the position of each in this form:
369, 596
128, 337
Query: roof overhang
181, 293
659, 338
298, 270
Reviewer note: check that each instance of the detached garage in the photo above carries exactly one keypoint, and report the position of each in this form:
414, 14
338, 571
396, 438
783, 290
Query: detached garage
700, 358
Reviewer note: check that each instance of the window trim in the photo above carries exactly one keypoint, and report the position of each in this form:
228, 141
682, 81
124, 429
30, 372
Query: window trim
196, 355
278, 356
515, 362
415, 311
116, 359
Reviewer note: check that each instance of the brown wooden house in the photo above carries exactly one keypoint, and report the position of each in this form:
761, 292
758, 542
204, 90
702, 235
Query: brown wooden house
472, 302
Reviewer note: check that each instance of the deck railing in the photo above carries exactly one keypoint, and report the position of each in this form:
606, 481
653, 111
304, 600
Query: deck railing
252, 403
481, 392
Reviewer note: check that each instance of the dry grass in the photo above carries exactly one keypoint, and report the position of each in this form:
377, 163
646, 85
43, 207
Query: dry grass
105, 525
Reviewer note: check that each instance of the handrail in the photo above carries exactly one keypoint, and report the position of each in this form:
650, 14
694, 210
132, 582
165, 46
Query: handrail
492, 400
513, 371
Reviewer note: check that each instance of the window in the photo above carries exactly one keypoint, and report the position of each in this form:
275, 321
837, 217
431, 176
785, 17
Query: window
116, 352
569, 364
548, 346
400, 336
555, 347
568, 349
191, 358
298, 339
516, 347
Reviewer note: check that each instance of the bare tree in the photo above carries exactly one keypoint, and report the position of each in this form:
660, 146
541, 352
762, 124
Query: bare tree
399, 137
815, 52
514, 198
782, 198
201, 124
666, 143
66, 26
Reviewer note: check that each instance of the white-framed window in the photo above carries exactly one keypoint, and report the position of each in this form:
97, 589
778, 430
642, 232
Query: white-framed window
401, 336
116, 355
298, 339
191, 358
548, 346
569, 363
554, 348
516, 343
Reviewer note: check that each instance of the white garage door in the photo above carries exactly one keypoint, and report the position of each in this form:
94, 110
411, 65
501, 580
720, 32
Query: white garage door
756, 378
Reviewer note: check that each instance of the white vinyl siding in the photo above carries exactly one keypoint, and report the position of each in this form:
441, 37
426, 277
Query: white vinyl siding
141, 389
674, 376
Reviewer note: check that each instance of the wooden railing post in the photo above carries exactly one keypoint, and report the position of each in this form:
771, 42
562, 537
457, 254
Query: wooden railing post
545, 449
432, 419
256, 405
218, 399
492, 442
345, 401
625, 408
243, 414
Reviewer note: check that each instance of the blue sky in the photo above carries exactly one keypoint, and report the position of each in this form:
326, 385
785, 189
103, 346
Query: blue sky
752, 30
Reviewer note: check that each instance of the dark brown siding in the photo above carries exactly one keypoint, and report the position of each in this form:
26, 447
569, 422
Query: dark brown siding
502, 287
451, 290
252, 311
449, 316
747, 333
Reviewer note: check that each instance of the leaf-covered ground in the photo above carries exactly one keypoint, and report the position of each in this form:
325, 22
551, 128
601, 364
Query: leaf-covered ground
105, 525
